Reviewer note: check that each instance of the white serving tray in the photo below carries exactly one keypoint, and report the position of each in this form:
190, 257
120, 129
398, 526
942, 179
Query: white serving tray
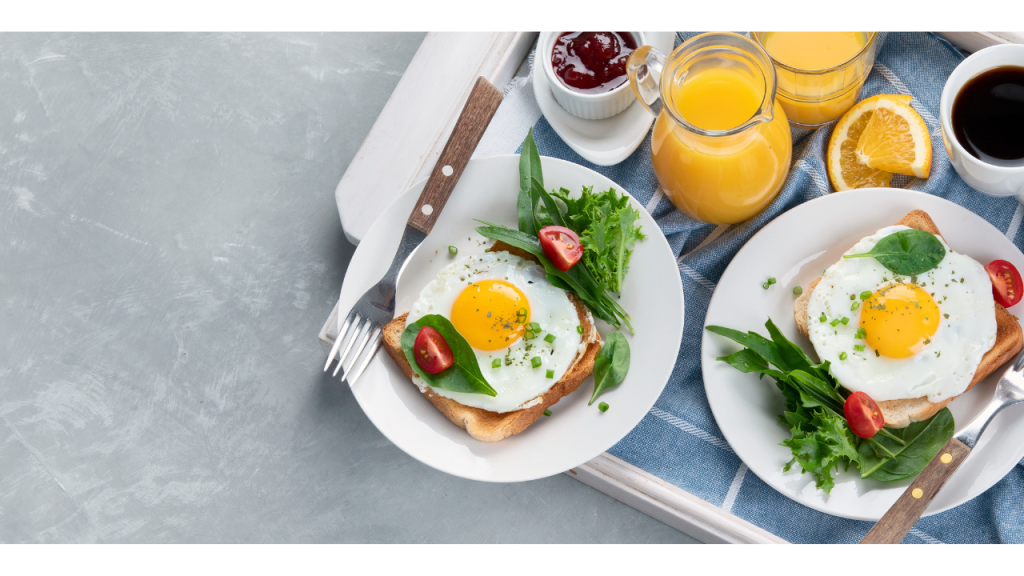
403, 146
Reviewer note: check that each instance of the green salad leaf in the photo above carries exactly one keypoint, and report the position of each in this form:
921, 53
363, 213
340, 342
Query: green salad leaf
606, 225
464, 375
821, 440
529, 170
907, 252
611, 364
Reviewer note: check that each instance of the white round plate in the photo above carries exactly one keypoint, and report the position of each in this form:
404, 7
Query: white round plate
575, 433
795, 248
603, 142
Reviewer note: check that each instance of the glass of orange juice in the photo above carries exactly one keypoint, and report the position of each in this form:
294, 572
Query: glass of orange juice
820, 73
721, 145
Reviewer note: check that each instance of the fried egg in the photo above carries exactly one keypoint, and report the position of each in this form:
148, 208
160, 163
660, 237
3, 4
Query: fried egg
914, 336
491, 299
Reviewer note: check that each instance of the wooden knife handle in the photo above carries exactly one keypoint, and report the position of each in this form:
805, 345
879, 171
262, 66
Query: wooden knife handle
908, 509
483, 102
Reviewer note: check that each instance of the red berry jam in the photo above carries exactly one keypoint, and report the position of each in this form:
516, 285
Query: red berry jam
592, 62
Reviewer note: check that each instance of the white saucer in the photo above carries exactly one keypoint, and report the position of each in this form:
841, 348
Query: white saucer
603, 142
746, 408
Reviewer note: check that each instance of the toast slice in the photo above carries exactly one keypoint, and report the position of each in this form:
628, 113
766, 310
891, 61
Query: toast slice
900, 413
485, 425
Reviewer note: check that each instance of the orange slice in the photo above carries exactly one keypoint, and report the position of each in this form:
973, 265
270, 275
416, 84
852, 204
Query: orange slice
896, 139
845, 170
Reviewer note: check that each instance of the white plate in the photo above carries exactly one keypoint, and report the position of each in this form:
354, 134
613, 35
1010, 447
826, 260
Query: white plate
603, 142
575, 433
795, 248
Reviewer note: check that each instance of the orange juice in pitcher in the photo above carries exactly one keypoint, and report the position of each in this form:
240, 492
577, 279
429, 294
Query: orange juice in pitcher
721, 147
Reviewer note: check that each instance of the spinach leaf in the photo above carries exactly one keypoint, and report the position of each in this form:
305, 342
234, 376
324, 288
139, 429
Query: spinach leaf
611, 364
464, 375
923, 440
529, 170
907, 252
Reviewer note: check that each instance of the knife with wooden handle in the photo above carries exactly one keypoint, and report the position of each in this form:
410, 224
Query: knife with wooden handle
898, 521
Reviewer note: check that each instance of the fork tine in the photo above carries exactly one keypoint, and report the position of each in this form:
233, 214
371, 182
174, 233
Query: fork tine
339, 339
363, 340
370, 353
355, 334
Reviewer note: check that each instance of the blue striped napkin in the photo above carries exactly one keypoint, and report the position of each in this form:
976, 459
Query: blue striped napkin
679, 440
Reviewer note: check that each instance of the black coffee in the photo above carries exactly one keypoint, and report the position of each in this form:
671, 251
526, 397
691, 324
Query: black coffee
988, 116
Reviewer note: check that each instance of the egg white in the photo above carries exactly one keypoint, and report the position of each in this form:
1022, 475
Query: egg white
518, 384
944, 368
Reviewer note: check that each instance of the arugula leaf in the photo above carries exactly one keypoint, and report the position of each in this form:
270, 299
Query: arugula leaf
821, 439
529, 170
611, 364
923, 440
907, 252
464, 375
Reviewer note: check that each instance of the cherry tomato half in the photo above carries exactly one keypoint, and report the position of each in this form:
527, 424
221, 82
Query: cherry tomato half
432, 351
561, 246
1006, 284
863, 415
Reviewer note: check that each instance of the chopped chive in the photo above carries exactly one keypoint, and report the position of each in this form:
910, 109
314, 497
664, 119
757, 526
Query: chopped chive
865, 295
550, 374
579, 329
496, 363
844, 320
535, 326
603, 406
771, 281
834, 323
765, 285
547, 412
453, 250
854, 306
823, 319
549, 338
859, 347
798, 290
535, 361
861, 333
529, 335
842, 355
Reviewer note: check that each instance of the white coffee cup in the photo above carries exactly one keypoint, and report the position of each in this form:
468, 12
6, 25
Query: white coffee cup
982, 176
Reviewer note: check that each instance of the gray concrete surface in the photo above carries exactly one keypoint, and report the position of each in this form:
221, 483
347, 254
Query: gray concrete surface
169, 248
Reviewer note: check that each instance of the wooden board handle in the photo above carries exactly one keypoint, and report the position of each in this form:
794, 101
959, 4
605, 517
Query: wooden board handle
892, 528
483, 102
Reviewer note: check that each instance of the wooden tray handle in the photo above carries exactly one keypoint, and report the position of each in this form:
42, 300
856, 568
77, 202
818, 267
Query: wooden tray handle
892, 528
483, 102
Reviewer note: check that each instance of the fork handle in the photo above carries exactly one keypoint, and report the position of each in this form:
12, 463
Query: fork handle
908, 509
469, 128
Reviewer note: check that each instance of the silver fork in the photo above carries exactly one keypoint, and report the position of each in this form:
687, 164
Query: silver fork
893, 527
364, 325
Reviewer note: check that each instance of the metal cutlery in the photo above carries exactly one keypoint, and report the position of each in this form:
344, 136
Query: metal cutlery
898, 521
362, 331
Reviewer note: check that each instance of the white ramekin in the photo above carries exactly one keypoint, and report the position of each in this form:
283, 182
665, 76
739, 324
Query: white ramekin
586, 106
983, 177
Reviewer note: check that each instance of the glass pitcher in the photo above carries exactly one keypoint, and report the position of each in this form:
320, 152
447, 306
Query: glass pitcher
721, 145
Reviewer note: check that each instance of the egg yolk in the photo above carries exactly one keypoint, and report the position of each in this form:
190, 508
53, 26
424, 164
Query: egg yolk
491, 314
899, 320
